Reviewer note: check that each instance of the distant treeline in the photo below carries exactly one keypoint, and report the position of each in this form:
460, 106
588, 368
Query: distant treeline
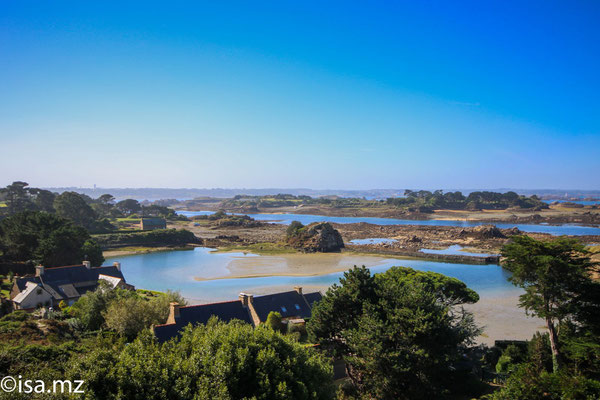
422, 200
95, 215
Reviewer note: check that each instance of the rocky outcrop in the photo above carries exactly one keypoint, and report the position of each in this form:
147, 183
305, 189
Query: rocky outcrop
316, 237
488, 232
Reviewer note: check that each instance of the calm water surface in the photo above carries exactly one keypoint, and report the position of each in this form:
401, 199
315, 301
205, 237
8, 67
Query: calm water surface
456, 250
566, 229
176, 270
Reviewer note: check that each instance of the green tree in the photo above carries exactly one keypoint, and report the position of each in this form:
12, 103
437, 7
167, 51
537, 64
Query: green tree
46, 238
130, 315
89, 309
72, 206
17, 197
216, 361
129, 206
553, 273
399, 332
274, 321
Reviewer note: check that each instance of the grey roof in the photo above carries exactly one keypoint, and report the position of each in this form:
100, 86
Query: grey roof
200, 314
65, 282
313, 298
288, 304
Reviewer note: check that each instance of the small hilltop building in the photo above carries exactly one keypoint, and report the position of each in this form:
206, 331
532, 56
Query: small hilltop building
152, 223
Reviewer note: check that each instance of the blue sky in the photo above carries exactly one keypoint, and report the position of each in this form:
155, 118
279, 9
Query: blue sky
350, 95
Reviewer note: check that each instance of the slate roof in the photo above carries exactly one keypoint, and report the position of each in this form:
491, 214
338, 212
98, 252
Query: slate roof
65, 282
200, 314
313, 298
288, 304
30, 287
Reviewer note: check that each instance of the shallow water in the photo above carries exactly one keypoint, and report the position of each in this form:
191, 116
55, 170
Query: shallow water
566, 229
178, 270
497, 310
372, 241
456, 250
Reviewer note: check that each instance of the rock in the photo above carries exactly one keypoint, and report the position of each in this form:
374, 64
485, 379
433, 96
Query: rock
317, 237
414, 239
488, 232
513, 231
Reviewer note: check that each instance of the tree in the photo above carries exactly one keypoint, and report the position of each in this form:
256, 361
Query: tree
104, 204
72, 206
17, 197
274, 321
218, 360
399, 332
553, 274
46, 238
129, 206
130, 315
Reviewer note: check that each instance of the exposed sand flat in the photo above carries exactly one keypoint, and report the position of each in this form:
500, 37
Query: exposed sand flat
295, 265
502, 319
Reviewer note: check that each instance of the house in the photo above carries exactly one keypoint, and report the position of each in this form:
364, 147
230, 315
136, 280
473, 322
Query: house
149, 224
294, 307
50, 286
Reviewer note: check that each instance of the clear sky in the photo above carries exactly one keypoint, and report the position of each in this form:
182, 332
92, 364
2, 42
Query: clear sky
355, 95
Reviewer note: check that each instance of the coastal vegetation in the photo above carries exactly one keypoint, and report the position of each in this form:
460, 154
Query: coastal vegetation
400, 332
155, 238
420, 201
100, 215
40, 237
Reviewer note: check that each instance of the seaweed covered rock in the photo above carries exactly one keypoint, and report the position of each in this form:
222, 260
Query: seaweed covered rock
316, 237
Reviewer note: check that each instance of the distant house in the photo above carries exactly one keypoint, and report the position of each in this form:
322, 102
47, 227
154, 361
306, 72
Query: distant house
50, 286
294, 307
149, 224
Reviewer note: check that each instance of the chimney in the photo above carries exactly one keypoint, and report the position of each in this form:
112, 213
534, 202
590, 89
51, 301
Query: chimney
173, 312
246, 298
298, 289
39, 270
117, 265
87, 264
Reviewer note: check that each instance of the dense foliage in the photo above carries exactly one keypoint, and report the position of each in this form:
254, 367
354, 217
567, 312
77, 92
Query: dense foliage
158, 237
564, 363
424, 200
216, 361
421, 200
47, 239
556, 276
399, 332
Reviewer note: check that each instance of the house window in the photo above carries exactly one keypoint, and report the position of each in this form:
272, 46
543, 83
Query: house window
297, 306
283, 309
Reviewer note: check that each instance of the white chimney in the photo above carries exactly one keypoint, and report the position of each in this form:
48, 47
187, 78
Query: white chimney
117, 265
298, 289
87, 264
39, 270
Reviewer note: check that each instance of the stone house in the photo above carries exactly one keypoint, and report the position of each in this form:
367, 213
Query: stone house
150, 224
50, 286
294, 307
